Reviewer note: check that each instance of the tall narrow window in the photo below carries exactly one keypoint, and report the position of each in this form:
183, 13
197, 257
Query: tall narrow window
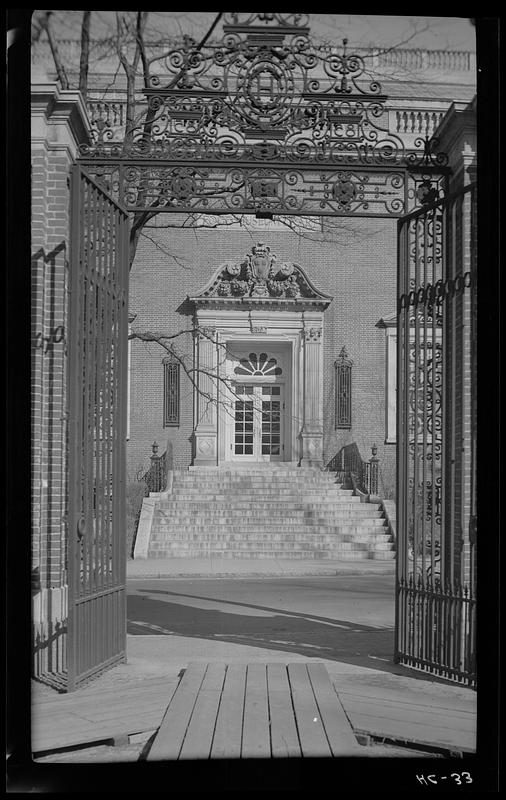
391, 381
131, 318
343, 367
170, 392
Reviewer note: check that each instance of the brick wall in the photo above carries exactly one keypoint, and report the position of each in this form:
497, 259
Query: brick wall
58, 125
49, 318
355, 262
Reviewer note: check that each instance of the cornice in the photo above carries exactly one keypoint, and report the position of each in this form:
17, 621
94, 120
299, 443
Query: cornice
460, 119
62, 105
216, 303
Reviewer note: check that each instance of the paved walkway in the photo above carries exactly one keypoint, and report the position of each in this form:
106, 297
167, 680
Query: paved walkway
253, 567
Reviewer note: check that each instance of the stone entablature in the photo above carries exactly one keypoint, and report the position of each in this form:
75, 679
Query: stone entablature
457, 135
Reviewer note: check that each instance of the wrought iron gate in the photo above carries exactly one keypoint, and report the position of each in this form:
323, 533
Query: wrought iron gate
97, 431
436, 438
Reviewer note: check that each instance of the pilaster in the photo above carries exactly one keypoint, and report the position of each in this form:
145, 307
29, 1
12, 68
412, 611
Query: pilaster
59, 124
456, 135
59, 119
312, 429
206, 431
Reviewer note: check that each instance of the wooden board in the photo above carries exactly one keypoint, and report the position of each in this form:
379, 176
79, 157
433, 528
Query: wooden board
227, 741
199, 735
284, 737
67, 736
91, 694
254, 711
169, 740
403, 710
411, 722
255, 731
313, 740
337, 726
69, 720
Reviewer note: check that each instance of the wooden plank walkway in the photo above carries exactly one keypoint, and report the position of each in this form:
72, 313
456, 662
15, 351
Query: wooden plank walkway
385, 715
73, 719
254, 711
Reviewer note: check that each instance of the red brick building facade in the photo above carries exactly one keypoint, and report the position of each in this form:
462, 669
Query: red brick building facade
353, 261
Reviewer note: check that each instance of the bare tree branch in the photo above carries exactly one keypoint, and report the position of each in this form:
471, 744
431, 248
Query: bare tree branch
163, 249
39, 24
85, 54
45, 24
140, 218
192, 371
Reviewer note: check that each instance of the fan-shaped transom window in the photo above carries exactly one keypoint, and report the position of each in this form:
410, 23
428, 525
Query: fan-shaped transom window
260, 366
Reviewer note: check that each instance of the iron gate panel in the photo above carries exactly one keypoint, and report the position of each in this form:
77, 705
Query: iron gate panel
436, 426
97, 431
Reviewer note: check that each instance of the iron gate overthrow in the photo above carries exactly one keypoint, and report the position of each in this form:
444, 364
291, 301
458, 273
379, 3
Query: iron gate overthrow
97, 431
436, 438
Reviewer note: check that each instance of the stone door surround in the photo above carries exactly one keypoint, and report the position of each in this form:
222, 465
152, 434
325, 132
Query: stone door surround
260, 303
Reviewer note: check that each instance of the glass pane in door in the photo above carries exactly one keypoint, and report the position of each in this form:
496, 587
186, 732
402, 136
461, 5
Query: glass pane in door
271, 422
257, 423
243, 428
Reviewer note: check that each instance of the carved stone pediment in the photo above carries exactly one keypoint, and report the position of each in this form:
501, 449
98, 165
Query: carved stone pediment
260, 279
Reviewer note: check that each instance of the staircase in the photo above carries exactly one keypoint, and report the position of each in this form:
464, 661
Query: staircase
266, 512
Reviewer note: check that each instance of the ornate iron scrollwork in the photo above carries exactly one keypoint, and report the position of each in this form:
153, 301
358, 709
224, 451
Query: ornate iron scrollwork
265, 121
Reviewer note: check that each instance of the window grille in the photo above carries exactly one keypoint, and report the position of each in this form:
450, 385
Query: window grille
171, 369
343, 367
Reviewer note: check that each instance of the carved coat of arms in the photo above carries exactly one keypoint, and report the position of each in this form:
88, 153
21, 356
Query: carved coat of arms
260, 275
259, 266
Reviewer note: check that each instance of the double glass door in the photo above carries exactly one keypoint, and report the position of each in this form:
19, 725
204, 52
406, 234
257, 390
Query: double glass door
258, 423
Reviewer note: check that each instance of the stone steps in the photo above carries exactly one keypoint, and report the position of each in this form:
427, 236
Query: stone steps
301, 537
278, 485
269, 523
270, 539
285, 553
274, 507
271, 493
285, 483
266, 512
238, 468
267, 509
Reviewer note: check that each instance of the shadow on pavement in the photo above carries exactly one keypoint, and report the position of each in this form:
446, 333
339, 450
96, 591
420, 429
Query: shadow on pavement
286, 631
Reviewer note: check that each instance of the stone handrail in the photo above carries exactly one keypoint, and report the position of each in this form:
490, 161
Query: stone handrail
411, 121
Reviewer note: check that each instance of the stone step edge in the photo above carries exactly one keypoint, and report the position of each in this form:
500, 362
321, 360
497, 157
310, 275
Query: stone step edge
311, 531
280, 555
295, 499
172, 547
